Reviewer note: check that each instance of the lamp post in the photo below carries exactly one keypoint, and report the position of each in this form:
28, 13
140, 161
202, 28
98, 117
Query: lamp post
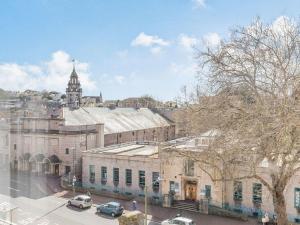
73, 184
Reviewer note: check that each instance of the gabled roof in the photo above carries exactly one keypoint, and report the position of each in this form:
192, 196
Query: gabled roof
115, 120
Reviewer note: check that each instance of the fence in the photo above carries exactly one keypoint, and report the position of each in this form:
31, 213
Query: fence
248, 211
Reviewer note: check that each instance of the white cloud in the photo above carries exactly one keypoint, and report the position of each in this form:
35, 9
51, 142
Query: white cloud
50, 75
188, 42
212, 39
148, 41
199, 3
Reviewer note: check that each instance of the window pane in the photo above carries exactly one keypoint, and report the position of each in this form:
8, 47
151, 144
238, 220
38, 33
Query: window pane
103, 174
155, 182
207, 191
257, 193
128, 177
142, 178
116, 176
92, 173
297, 198
238, 190
189, 167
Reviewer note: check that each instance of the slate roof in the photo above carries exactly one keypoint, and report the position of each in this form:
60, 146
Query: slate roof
115, 120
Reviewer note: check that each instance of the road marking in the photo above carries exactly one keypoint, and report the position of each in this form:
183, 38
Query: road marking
13, 189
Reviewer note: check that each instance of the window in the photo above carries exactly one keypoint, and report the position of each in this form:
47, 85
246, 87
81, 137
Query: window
142, 179
172, 186
67, 151
257, 193
92, 173
238, 190
189, 167
155, 181
15, 146
116, 176
128, 176
133, 133
208, 191
67, 169
103, 174
297, 198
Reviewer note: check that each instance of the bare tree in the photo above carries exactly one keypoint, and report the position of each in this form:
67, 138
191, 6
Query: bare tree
254, 81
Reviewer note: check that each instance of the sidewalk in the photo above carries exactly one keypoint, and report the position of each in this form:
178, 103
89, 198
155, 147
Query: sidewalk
160, 213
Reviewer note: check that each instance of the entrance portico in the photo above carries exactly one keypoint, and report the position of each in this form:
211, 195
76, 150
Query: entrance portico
190, 190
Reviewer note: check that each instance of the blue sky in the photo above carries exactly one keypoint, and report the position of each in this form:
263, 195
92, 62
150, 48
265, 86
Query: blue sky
122, 48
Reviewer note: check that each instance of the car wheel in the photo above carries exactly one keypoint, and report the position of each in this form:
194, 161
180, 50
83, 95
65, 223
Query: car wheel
81, 206
69, 203
113, 214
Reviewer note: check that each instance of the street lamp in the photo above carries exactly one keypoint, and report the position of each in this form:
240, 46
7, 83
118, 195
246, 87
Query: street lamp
73, 184
146, 197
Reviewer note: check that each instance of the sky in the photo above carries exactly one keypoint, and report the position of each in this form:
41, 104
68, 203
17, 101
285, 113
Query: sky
121, 48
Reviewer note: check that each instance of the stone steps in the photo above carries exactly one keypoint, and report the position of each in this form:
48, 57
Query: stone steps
182, 205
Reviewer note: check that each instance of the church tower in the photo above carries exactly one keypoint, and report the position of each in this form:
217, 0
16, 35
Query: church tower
74, 91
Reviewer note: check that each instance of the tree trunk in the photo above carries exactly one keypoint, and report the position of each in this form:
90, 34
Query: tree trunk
280, 207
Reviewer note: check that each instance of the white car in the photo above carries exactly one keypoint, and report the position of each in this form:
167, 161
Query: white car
81, 201
178, 221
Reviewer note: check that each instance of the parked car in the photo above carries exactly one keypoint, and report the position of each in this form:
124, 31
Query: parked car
110, 208
178, 221
81, 201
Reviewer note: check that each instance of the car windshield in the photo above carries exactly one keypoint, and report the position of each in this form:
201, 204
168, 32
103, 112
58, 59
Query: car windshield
87, 200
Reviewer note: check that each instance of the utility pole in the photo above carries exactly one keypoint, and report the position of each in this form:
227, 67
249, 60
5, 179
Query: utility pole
146, 198
74, 159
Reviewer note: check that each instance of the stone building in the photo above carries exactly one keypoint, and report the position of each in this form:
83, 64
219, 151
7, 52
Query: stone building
4, 144
183, 176
49, 146
123, 169
122, 125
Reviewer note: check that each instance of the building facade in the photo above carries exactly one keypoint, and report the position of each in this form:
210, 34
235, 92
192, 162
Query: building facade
127, 168
49, 146
123, 169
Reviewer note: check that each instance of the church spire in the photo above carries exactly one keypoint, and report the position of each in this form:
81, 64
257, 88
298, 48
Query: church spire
74, 91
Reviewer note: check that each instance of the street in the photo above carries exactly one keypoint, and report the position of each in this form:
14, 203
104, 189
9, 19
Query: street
41, 201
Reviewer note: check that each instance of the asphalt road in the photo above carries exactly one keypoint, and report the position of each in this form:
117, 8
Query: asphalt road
53, 210
27, 185
37, 205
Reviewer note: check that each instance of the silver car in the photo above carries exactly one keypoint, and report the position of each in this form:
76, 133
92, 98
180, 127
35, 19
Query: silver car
179, 220
81, 201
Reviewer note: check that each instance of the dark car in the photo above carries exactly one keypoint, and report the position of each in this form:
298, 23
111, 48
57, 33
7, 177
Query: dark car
111, 208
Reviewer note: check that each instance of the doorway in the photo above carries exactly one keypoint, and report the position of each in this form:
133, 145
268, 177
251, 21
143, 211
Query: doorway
190, 190
56, 169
